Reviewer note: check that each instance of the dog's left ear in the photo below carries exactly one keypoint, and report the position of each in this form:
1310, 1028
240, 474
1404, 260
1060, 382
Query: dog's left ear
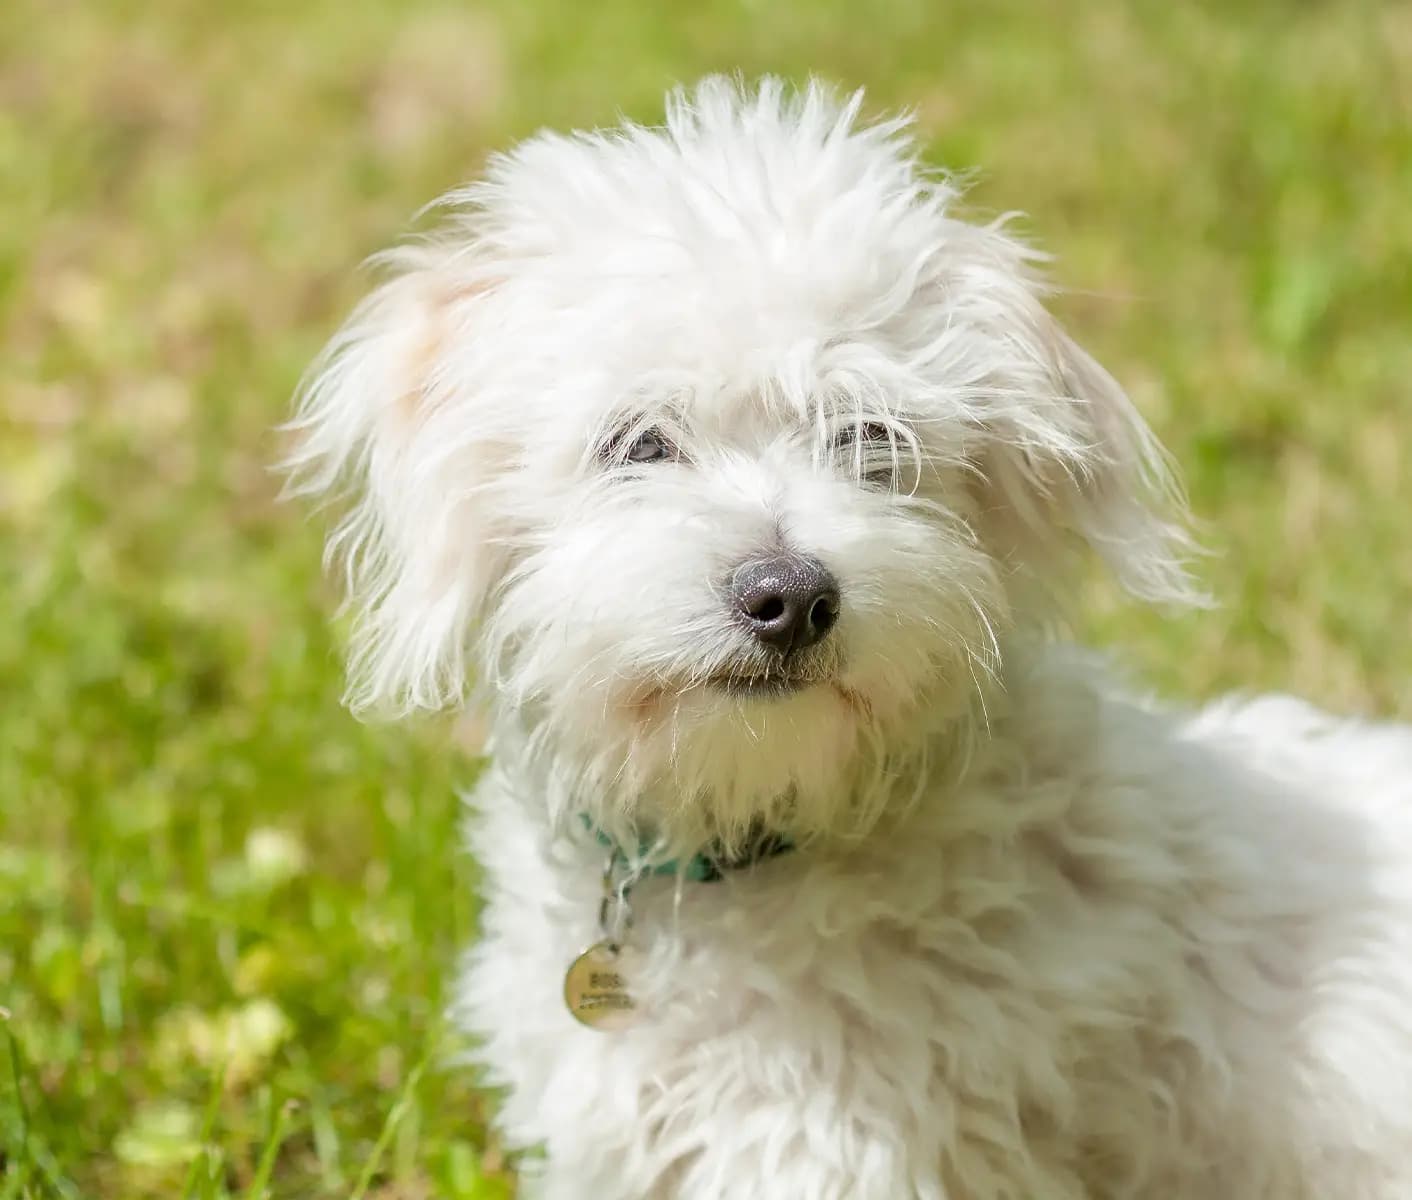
1062, 450
399, 419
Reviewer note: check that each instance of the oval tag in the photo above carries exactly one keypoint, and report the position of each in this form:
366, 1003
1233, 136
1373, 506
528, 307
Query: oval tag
596, 989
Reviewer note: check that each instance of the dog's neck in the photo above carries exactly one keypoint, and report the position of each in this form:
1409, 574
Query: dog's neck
874, 792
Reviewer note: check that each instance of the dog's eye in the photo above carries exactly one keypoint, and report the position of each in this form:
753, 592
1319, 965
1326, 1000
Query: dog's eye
650, 447
868, 450
638, 448
869, 434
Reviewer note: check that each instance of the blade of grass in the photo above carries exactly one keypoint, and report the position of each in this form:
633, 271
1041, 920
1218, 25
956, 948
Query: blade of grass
208, 1125
279, 1119
32, 1151
211, 1181
16, 1080
389, 1127
48, 1166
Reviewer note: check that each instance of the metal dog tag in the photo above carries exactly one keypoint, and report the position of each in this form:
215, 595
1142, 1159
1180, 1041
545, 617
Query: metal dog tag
596, 989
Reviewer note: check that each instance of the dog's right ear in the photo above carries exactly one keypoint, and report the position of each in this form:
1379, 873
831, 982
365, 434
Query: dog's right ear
391, 420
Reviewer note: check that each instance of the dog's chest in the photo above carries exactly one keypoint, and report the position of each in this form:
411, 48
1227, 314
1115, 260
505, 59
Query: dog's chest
939, 1015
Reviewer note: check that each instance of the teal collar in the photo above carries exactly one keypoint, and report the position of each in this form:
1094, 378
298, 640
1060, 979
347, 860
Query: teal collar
705, 867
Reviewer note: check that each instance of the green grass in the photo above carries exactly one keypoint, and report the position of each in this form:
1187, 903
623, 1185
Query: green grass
228, 911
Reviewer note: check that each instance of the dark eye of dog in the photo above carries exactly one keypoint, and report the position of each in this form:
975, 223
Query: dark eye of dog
869, 433
649, 446
868, 448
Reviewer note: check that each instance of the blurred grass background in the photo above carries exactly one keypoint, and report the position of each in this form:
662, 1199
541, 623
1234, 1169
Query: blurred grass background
227, 910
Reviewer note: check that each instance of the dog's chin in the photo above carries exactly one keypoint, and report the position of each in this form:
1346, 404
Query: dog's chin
740, 745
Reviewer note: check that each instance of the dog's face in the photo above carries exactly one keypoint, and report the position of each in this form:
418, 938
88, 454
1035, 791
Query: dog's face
719, 454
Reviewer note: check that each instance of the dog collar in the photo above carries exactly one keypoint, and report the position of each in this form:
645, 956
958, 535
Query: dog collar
709, 866
598, 985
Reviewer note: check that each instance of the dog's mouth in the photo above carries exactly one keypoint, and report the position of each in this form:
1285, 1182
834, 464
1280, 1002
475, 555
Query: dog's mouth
759, 686
764, 686
746, 681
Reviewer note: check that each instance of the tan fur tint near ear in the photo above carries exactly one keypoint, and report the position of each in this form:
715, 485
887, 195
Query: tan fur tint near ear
381, 423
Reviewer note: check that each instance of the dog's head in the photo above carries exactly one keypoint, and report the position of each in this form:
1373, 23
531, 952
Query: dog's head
719, 454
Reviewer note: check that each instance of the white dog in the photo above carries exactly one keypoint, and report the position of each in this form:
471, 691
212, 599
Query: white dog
744, 478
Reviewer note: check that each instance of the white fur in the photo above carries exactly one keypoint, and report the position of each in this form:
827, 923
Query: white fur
1041, 939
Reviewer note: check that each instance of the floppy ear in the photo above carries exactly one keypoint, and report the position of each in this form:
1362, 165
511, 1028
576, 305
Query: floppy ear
1062, 450
387, 421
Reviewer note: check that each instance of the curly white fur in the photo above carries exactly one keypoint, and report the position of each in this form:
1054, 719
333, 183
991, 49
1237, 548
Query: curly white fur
1040, 939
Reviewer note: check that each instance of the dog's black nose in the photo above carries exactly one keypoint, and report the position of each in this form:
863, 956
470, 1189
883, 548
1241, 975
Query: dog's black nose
788, 601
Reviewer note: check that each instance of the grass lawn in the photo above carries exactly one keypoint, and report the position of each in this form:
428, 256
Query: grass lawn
228, 911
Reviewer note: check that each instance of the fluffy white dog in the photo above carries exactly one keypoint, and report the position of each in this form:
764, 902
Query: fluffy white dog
744, 478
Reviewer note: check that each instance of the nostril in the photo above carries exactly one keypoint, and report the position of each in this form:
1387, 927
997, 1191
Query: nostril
824, 613
768, 608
